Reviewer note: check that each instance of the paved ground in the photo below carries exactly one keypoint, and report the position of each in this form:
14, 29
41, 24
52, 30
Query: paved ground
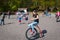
12, 30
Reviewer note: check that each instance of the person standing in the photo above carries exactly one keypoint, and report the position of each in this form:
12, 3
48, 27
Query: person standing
9, 14
3, 19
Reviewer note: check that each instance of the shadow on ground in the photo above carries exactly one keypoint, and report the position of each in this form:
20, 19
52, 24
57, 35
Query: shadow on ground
6, 24
9, 23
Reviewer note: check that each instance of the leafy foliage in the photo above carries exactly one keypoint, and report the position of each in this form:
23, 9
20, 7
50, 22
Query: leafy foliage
12, 5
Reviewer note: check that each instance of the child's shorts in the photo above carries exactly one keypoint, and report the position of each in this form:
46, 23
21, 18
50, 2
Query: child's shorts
19, 20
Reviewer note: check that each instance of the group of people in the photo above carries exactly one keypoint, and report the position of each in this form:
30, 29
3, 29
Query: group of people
35, 20
22, 14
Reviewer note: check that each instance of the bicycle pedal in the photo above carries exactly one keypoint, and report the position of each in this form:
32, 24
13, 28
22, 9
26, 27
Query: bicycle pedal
42, 36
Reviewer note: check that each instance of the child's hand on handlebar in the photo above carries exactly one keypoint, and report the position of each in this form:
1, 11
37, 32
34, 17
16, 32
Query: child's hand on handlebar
32, 19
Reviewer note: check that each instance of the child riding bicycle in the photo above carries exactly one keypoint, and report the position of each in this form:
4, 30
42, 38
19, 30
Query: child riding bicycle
57, 15
35, 23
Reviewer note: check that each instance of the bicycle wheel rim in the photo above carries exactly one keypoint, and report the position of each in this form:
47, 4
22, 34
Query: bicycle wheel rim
31, 37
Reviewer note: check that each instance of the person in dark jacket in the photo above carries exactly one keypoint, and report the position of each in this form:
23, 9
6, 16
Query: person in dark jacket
3, 19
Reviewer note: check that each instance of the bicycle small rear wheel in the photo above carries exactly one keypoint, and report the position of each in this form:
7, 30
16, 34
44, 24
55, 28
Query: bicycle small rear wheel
29, 36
